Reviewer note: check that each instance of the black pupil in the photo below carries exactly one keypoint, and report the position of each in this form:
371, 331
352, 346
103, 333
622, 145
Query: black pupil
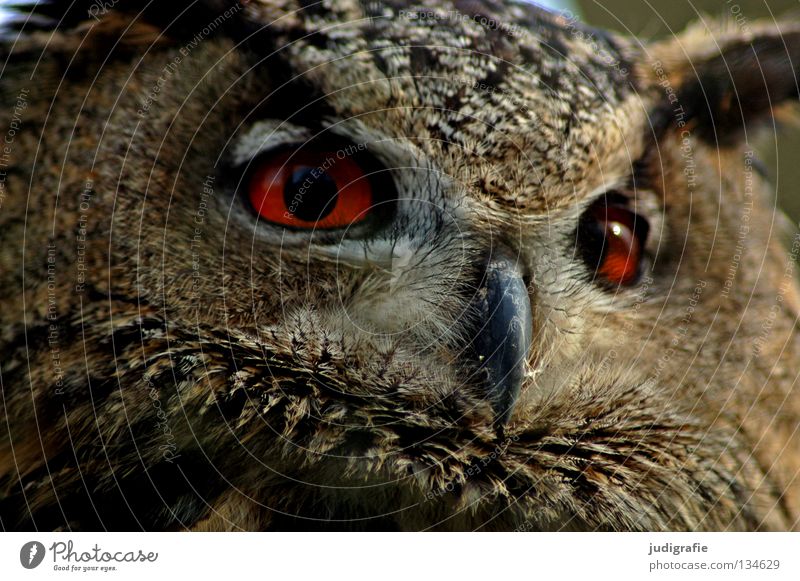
310, 194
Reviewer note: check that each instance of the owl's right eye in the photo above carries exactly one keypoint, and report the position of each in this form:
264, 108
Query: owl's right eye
314, 188
612, 240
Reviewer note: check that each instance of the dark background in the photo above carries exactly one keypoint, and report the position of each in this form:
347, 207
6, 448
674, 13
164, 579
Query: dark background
654, 19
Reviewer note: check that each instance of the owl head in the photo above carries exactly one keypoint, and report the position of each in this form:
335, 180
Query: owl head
281, 264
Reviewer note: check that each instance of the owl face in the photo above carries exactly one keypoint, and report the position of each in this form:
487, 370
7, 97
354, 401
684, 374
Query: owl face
419, 200
374, 265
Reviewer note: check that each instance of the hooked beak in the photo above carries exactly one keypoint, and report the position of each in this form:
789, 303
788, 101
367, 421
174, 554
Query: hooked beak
503, 332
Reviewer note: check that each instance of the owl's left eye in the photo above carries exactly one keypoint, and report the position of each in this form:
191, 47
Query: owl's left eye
313, 188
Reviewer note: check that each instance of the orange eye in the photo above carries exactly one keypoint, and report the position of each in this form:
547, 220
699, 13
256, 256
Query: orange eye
611, 238
311, 189
623, 250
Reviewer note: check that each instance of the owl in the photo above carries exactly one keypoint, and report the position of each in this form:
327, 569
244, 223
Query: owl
385, 265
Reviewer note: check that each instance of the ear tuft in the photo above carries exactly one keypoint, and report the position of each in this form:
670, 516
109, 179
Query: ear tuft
725, 82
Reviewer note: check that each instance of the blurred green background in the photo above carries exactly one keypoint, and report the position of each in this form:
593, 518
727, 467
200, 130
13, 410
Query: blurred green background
653, 19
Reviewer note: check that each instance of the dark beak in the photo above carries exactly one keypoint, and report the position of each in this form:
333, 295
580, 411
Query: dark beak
503, 332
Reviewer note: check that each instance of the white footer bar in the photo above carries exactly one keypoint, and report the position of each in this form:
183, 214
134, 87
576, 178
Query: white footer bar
400, 556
